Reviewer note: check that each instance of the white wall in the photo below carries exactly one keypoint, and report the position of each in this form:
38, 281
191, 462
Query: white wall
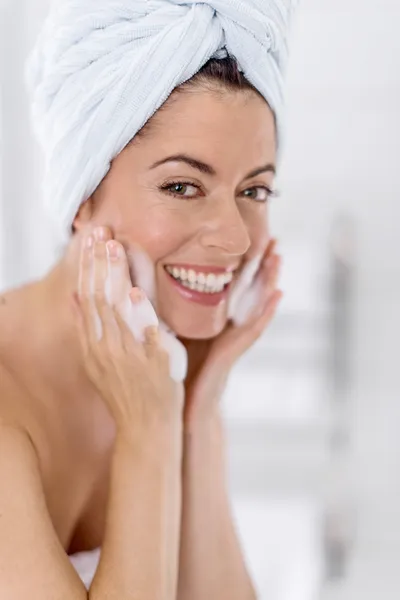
26, 241
342, 155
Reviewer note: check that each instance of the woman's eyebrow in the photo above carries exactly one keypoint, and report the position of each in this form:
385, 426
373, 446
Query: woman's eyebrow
208, 169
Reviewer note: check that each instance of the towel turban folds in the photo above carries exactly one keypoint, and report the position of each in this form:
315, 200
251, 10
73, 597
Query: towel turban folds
101, 68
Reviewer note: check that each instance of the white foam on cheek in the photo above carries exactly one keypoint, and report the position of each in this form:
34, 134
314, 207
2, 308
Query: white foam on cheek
138, 316
141, 315
245, 296
248, 304
144, 272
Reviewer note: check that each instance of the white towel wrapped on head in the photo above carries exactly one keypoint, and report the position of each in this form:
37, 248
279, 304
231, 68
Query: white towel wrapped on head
102, 68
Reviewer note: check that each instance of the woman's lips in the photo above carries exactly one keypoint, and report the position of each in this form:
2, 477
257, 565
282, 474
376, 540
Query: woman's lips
203, 298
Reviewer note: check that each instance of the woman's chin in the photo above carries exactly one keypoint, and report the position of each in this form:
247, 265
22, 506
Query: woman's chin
195, 329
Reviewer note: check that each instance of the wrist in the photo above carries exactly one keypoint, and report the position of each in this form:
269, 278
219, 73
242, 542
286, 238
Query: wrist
204, 446
204, 421
161, 442
203, 401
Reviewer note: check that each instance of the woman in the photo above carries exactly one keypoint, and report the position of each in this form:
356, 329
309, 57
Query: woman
99, 445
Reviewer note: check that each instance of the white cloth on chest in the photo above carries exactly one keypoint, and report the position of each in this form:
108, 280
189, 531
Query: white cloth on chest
85, 564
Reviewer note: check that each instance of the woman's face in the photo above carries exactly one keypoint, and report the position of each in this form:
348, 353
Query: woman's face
201, 215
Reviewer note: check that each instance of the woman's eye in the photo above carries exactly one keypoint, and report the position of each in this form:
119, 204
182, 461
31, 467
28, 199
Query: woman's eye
259, 193
187, 189
184, 189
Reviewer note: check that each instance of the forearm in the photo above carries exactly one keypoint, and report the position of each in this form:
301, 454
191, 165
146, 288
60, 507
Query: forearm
140, 552
211, 565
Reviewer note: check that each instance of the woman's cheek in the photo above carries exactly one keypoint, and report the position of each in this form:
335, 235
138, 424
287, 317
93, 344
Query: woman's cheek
162, 236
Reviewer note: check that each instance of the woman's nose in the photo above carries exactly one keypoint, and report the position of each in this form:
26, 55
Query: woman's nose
227, 230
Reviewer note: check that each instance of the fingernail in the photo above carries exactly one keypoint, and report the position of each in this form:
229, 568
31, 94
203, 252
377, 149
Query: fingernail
269, 262
136, 295
89, 242
114, 249
100, 234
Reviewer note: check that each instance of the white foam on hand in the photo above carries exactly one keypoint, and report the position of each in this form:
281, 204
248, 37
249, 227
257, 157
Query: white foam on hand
143, 271
138, 316
144, 312
178, 360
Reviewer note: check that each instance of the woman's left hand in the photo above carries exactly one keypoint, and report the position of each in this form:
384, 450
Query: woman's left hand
210, 361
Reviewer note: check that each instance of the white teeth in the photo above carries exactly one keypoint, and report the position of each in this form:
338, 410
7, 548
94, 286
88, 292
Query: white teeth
207, 284
211, 280
228, 277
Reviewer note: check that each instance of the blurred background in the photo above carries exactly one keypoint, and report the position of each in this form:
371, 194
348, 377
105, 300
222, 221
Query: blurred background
313, 411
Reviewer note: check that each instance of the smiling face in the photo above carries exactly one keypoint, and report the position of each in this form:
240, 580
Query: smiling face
192, 192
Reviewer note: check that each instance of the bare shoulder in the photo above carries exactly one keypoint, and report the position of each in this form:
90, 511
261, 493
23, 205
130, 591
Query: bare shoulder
18, 453
14, 428
10, 399
28, 451
18, 407
20, 414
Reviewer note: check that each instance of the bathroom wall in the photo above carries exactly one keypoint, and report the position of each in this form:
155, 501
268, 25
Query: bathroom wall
314, 463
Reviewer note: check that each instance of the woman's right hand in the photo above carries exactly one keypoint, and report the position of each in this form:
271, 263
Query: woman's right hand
131, 376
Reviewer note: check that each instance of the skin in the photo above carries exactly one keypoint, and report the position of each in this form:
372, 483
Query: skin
46, 387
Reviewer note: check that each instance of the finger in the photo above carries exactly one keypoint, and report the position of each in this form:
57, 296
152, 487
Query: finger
267, 314
102, 234
270, 248
270, 261
137, 295
119, 281
97, 286
98, 234
256, 328
97, 316
103, 290
86, 303
269, 274
247, 335
110, 329
141, 313
80, 325
151, 341
272, 273
100, 271
128, 340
